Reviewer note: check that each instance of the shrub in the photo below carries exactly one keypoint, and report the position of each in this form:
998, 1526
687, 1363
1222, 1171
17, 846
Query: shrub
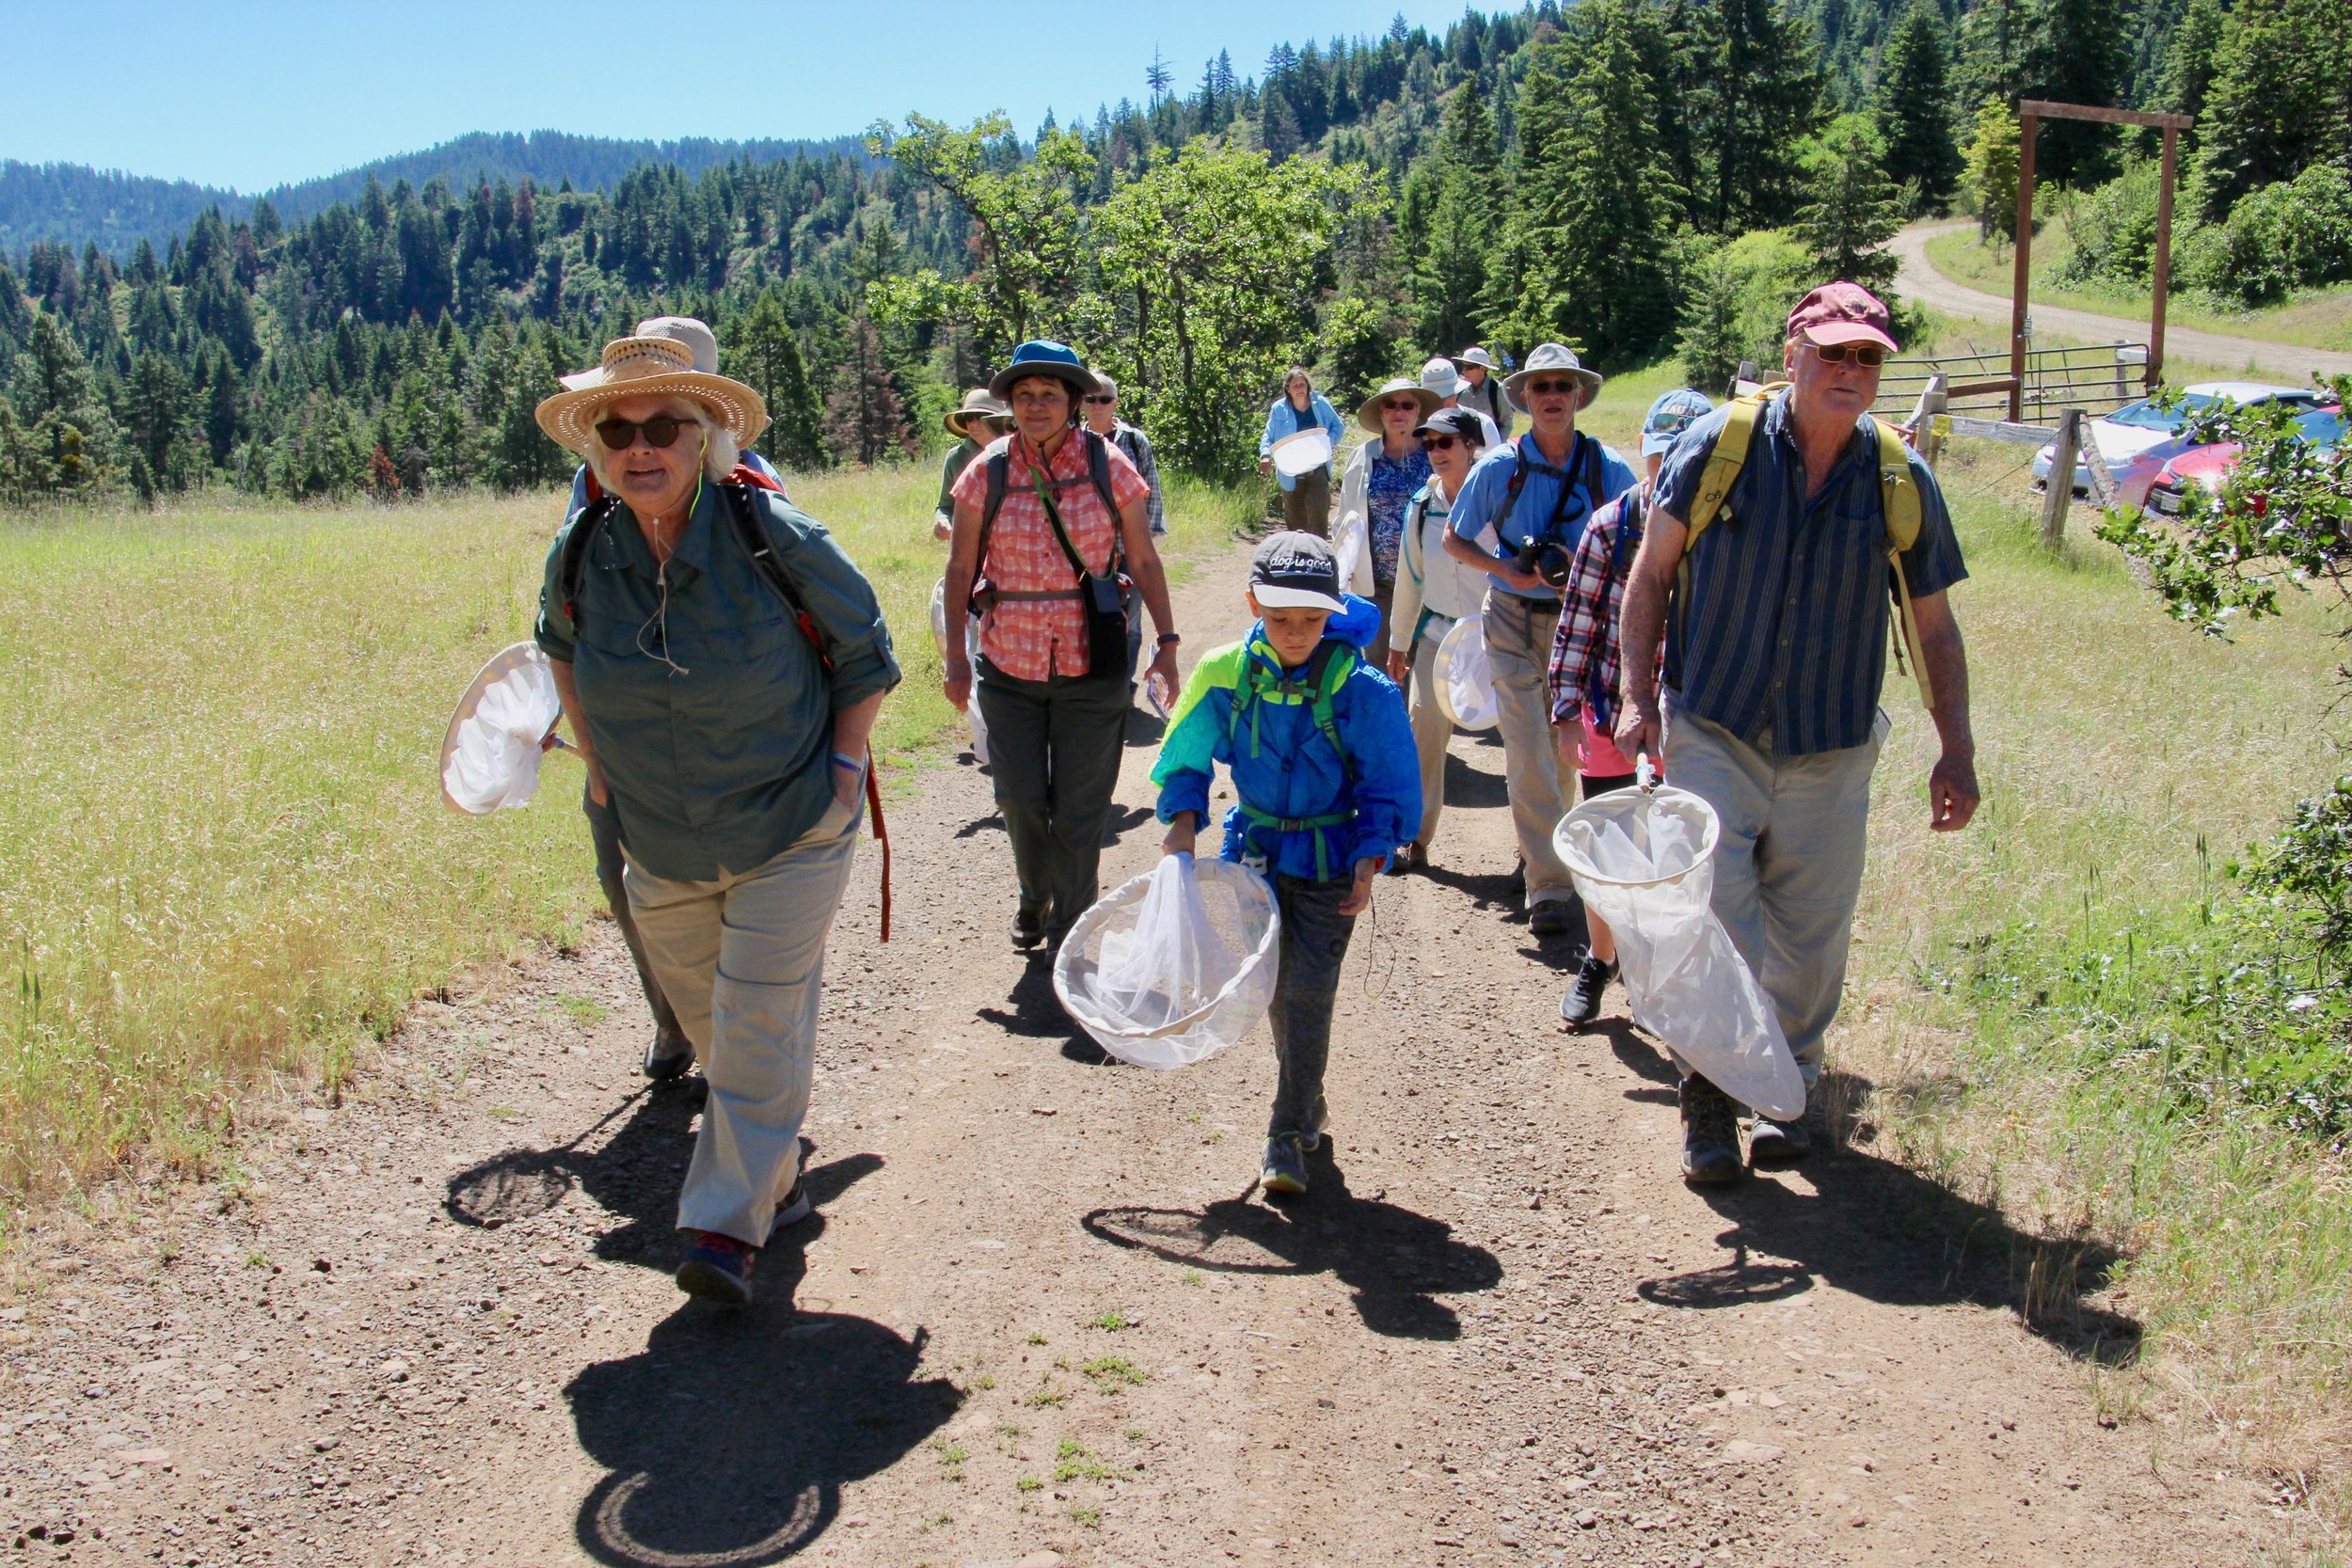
2114, 229
2293, 234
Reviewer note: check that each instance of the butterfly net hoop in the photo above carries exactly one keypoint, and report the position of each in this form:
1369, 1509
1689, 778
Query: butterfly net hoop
1173, 966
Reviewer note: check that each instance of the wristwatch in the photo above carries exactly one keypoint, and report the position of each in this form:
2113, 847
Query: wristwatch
1168, 639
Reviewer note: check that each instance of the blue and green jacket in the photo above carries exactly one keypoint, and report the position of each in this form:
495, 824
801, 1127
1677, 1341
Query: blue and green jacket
1310, 810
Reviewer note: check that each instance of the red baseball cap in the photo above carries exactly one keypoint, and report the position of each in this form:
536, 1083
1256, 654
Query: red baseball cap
1843, 313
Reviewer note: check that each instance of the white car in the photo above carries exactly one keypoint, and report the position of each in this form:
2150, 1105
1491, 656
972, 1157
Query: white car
2140, 436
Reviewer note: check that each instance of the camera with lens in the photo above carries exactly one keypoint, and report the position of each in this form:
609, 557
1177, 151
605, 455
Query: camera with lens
1547, 559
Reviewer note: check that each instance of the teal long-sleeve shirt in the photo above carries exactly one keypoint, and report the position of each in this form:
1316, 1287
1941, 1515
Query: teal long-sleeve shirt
710, 713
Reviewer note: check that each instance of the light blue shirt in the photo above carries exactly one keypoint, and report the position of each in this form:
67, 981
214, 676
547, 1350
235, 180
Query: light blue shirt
1282, 420
1485, 490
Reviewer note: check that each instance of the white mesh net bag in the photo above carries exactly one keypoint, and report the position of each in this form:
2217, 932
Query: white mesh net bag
1174, 965
972, 718
1643, 860
490, 755
1466, 682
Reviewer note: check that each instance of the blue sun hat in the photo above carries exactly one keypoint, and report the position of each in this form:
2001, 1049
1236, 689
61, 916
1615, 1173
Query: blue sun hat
1669, 417
1044, 356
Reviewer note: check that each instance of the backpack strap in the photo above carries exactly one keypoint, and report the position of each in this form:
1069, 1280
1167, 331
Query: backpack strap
573, 568
1327, 670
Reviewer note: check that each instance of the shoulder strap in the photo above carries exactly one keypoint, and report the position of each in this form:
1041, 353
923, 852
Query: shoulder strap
1099, 464
1326, 671
754, 538
995, 498
1897, 492
574, 566
1724, 463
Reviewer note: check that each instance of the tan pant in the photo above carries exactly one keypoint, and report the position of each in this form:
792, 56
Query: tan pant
1432, 729
1789, 866
742, 959
1518, 648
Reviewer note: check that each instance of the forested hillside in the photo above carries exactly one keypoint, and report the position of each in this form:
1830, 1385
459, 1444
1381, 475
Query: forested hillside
1633, 176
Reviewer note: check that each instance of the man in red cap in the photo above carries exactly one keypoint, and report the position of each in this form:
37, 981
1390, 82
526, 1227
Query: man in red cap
1769, 706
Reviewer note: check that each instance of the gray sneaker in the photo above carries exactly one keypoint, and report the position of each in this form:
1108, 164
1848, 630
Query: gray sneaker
668, 1057
1711, 1134
1779, 1143
1283, 1171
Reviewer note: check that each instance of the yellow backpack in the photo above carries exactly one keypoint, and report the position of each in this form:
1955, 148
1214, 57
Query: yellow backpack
1898, 498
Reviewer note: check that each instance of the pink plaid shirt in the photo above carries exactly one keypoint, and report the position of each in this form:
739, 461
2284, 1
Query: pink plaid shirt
1031, 640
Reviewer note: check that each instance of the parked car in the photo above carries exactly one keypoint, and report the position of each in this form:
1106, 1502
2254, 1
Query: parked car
2206, 466
2137, 439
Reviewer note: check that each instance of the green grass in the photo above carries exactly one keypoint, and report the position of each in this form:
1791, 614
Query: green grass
2321, 318
2123, 758
221, 837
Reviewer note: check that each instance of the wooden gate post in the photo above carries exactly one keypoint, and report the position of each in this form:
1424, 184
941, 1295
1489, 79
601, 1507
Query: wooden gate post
2163, 260
2028, 127
1934, 397
2059, 494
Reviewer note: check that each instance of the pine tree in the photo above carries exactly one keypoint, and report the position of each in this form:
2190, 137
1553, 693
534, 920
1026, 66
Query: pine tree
2188, 64
1914, 110
764, 353
1597, 206
2280, 98
2078, 51
865, 420
1762, 97
1855, 209
1278, 124
1990, 175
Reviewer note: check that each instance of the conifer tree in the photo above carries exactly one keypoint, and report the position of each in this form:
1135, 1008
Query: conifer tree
1990, 175
865, 420
2078, 51
1855, 209
2280, 98
1914, 110
764, 353
1762, 99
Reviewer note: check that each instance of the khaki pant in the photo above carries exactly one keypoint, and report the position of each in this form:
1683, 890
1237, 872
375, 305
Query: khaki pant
1518, 648
1432, 729
1307, 505
742, 961
1789, 866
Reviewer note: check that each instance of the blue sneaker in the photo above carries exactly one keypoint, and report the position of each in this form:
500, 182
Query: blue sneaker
1283, 1172
718, 1268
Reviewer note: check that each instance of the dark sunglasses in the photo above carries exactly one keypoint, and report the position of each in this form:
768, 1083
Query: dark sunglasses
659, 431
1868, 356
1540, 388
1437, 443
1098, 398
1401, 405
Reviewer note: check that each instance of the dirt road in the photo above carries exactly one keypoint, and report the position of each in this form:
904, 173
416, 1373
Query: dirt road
1043, 1318
1919, 281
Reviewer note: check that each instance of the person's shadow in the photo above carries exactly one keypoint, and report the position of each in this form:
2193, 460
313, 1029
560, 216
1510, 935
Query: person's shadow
1396, 1261
1886, 1234
729, 1437
1474, 788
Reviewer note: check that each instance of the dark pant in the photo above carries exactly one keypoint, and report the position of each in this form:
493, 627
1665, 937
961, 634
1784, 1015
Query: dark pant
1606, 784
604, 827
1383, 600
1314, 944
1307, 505
1054, 749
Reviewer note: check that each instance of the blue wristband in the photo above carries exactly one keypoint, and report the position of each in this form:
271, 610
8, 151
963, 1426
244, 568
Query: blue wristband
854, 765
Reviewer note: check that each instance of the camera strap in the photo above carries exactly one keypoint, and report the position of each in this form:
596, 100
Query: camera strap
1527, 459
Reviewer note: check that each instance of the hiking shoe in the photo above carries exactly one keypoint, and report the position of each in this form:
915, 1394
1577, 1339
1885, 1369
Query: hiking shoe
794, 1206
1582, 1004
1029, 928
1711, 1133
1318, 1123
667, 1058
1283, 1172
718, 1268
1779, 1143
1408, 858
1554, 917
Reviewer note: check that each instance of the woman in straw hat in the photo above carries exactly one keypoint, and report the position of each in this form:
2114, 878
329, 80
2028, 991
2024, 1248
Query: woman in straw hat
980, 420
1379, 481
729, 733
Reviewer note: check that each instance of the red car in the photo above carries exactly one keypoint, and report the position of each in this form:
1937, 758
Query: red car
2207, 466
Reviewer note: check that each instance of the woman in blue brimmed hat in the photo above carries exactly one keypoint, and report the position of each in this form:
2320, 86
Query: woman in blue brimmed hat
1048, 519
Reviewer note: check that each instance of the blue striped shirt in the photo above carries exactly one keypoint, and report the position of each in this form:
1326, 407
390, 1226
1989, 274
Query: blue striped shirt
1784, 623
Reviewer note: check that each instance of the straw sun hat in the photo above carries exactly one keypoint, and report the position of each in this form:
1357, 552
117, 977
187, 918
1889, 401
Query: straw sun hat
647, 367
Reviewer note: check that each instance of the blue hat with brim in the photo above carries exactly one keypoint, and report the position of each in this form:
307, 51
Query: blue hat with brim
1044, 356
1669, 417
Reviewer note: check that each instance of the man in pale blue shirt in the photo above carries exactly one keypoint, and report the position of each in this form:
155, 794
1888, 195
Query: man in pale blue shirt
1518, 517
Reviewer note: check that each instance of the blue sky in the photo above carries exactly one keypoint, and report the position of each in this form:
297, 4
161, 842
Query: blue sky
253, 94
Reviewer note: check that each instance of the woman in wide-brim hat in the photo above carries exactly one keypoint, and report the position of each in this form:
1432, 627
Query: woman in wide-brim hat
978, 421
731, 750
1379, 481
1056, 710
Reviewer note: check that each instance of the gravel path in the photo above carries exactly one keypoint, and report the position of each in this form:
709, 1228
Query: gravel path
1919, 281
1043, 1318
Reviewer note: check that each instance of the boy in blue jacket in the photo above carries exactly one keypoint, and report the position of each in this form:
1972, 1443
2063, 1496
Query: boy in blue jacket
1327, 783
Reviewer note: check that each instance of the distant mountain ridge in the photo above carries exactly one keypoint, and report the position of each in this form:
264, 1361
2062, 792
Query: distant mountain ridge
75, 203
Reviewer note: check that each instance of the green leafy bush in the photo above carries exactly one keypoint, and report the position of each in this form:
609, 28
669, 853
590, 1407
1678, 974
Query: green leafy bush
2293, 234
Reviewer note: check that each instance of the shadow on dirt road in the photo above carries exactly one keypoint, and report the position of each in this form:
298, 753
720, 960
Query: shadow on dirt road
1396, 1261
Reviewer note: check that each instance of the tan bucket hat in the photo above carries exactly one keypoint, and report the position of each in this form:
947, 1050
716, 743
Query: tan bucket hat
980, 402
647, 367
1368, 412
1550, 358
